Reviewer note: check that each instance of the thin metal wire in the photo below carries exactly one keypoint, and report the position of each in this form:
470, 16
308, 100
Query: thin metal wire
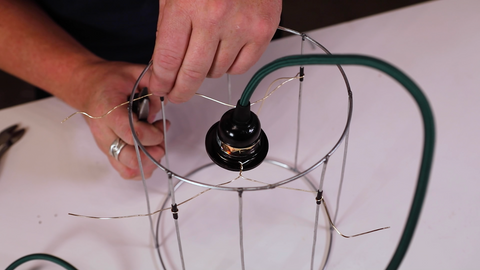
288, 79
317, 210
281, 187
342, 176
181, 203
279, 183
284, 166
147, 197
179, 241
215, 100
240, 227
339, 193
299, 110
322, 178
105, 114
171, 188
315, 231
229, 87
343, 235
267, 95
240, 176
268, 186
140, 165
164, 122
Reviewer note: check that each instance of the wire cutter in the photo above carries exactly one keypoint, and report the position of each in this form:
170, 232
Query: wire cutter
8, 137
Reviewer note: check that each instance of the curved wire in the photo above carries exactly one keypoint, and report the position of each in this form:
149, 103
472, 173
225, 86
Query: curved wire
254, 188
418, 96
41, 256
411, 87
105, 114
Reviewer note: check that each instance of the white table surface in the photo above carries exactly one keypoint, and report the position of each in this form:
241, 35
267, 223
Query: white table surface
57, 169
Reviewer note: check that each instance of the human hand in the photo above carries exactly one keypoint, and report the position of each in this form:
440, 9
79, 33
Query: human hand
110, 84
208, 38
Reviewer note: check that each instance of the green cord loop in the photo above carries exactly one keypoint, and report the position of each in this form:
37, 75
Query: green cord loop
41, 256
412, 88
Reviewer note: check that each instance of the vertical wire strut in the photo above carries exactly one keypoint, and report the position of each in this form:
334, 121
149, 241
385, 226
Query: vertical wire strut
174, 208
240, 226
140, 166
175, 218
229, 87
164, 120
299, 107
340, 185
318, 200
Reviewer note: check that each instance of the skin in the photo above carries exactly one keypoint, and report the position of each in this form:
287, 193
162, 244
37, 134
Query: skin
200, 38
195, 39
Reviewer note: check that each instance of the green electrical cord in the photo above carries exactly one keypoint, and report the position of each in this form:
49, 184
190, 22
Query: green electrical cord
412, 88
40, 256
299, 60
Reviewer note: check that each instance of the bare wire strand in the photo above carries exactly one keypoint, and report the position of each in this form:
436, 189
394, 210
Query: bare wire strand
155, 212
267, 94
338, 231
105, 114
240, 175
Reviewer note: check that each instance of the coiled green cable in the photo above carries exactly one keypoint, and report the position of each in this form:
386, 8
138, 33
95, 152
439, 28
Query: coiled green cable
412, 88
41, 256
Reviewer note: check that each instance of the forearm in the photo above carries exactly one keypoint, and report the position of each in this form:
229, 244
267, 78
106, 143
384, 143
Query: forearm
34, 48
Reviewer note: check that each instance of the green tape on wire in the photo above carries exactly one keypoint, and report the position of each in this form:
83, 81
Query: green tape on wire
412, 88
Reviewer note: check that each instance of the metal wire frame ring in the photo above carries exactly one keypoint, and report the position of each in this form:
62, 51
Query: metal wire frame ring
256, 188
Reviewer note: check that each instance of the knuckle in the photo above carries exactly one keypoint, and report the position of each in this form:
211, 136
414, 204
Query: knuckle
215, 74
128, 174
132, 163
126, 136
216, 13
192, 74
238, 69
159, 153
168, 59
264, 31
140, 135
217, 71
177, 98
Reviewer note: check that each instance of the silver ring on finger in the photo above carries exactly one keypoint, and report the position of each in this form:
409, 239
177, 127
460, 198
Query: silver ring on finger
116, 147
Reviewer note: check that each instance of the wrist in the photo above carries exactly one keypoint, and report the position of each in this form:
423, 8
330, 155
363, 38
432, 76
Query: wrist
80, 88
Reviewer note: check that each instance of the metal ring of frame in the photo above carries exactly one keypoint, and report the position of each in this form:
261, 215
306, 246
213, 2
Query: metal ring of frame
396, 74
303, 174
280, 164
264, 187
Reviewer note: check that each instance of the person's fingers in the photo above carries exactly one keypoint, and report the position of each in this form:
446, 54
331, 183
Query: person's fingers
155, 107
198, 60
253, 48
114, 82
173, 35
127, 163
246, 58
154, 101
148, 134
226, 54
208, 38
128, 156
